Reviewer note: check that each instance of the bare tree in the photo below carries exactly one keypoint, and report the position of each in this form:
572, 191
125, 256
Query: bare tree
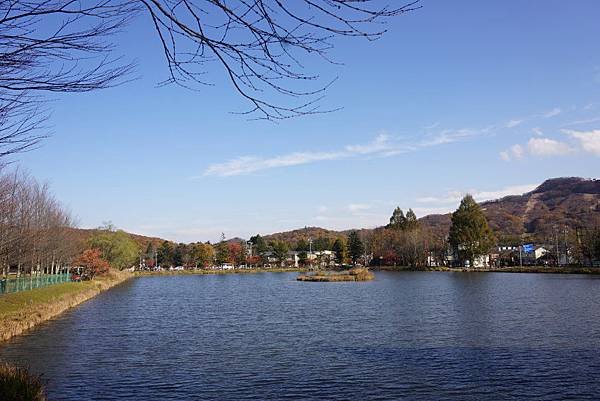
53, 46
34, 226
261, 43
67, 46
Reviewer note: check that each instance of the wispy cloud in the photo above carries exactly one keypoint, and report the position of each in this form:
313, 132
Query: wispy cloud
513, 123
382, 146
552, 113
582, 121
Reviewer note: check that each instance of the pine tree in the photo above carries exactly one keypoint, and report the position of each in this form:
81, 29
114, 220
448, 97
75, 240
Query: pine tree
397, 221
410, 222
340, 249
355, 246
470, 235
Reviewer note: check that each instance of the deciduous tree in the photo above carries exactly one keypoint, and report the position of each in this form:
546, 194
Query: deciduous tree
92, 262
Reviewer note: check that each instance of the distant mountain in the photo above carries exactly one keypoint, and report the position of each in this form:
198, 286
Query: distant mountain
558, 202
571, 202
291, 237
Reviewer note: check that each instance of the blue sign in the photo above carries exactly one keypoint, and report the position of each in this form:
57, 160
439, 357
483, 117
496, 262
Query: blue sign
528, 248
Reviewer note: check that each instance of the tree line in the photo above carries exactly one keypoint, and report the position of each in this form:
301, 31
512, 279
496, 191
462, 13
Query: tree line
34, 226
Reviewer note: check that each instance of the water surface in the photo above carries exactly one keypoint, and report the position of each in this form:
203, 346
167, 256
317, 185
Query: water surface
462, 336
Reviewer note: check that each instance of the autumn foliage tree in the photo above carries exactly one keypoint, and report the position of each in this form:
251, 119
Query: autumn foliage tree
92, 263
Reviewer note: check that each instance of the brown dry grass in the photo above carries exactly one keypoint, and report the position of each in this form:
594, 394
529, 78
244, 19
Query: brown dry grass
355, 274
17, 384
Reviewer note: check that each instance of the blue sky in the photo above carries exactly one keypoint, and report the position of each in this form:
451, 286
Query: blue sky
486, 97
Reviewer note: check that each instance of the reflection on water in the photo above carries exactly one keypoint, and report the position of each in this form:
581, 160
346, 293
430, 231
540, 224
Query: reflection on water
265, 336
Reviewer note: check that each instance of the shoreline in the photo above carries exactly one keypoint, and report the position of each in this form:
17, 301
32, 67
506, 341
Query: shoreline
218, 272
510, 269
24, 310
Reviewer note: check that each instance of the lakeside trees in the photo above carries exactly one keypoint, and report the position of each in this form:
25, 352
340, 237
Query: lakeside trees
401, 242
340, 250
92, 262
470, 235
356, 248
116, 246
34, 226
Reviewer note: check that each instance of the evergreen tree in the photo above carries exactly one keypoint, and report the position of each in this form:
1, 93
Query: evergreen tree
302, 245
355, 246
340, 249
165, 254
470, 236
397, 221
322, 244
410, 222
280, 250
259, 245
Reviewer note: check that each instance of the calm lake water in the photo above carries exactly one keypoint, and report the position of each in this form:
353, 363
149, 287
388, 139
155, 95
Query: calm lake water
415, 335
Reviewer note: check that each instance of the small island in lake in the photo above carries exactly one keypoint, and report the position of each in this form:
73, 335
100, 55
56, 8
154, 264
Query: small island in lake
355, 274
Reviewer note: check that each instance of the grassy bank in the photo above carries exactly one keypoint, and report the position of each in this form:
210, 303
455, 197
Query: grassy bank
510, 269
231, 271
22, 310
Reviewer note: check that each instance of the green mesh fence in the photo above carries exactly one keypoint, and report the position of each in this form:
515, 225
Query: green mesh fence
26, 283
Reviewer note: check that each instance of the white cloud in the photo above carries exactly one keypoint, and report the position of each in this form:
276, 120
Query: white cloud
517, 151
589, 141
358, 207
547, 147
382, 146
554, 112
537, 131
248, 164
513, 123
582, 122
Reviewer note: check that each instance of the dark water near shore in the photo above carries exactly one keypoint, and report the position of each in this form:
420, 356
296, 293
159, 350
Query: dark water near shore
403, 336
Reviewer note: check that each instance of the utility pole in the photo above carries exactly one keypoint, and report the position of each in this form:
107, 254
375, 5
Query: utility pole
566, 249
310, 250
557, 251
520, 255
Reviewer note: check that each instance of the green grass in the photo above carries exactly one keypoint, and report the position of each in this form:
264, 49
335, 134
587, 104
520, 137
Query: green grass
16, 301
23, 310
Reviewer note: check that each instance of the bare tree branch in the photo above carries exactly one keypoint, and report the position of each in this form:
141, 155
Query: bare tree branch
67, 46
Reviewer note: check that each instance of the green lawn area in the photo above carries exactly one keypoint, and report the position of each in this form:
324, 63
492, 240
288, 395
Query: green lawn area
19, 300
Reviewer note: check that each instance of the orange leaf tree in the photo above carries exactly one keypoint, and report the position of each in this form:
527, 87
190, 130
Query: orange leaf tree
92, 263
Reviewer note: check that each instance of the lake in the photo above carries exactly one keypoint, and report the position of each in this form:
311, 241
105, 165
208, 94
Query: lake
409, 335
